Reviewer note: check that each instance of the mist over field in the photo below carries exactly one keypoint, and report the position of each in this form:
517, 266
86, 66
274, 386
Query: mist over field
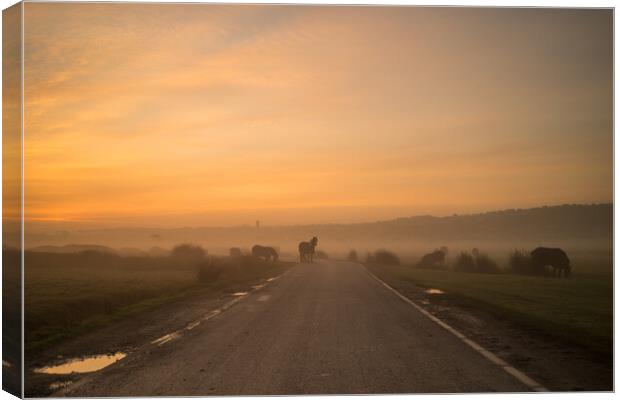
573, 227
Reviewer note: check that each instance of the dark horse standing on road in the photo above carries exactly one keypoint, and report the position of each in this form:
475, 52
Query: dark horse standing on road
306, 250
268, 253
556, 258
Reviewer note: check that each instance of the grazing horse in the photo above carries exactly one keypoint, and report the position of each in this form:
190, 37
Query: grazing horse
432, 260
556, 258
268, 253
306, 250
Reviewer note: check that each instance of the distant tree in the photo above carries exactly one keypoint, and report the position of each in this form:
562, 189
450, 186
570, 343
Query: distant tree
235, 252
352, 256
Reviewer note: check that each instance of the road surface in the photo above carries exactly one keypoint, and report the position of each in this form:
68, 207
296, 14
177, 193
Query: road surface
322, 328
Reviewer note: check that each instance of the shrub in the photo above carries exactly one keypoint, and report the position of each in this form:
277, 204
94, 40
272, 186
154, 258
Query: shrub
233, 269
485, 265
352, 256
386, 257
520, 262
188, 254
465, 263
478, 262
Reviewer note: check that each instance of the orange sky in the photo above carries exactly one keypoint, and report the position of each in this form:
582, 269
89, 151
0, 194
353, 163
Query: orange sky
215, 115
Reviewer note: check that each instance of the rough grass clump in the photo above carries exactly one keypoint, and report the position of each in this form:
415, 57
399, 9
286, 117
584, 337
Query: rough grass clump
209, 271
465, 263
386, 257
478, 262
520, 262
485, 265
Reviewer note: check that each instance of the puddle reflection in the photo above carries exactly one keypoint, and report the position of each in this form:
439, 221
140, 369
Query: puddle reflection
82, 365
434, 291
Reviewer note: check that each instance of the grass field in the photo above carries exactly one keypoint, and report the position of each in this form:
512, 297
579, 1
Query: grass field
69, 294
577, 310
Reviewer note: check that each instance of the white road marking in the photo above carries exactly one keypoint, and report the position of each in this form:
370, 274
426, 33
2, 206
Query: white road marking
167, 338
518, 375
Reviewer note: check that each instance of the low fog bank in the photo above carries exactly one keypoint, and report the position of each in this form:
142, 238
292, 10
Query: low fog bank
572, 227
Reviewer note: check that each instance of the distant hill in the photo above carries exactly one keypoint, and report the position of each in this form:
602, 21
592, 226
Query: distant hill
584, 226
566, 221
78, 248
72, 248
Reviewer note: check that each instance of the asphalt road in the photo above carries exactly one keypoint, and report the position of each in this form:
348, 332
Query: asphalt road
323, 328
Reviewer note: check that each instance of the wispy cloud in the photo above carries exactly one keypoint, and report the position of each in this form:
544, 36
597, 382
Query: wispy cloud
136, 108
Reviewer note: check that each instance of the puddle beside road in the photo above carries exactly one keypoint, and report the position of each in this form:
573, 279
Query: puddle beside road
82, 365
434, 291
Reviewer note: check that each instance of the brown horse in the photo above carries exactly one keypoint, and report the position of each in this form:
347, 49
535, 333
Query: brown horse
306, 250
556, 258
268, 253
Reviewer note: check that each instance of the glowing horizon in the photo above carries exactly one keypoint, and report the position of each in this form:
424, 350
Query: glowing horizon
216, 114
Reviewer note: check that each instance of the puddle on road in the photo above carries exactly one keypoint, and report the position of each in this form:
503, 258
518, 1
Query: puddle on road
434, 291
82, 365
240, 293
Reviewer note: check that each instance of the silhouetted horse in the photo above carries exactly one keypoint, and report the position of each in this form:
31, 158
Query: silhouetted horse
432, 260
556, 258
268, 253
306, 250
